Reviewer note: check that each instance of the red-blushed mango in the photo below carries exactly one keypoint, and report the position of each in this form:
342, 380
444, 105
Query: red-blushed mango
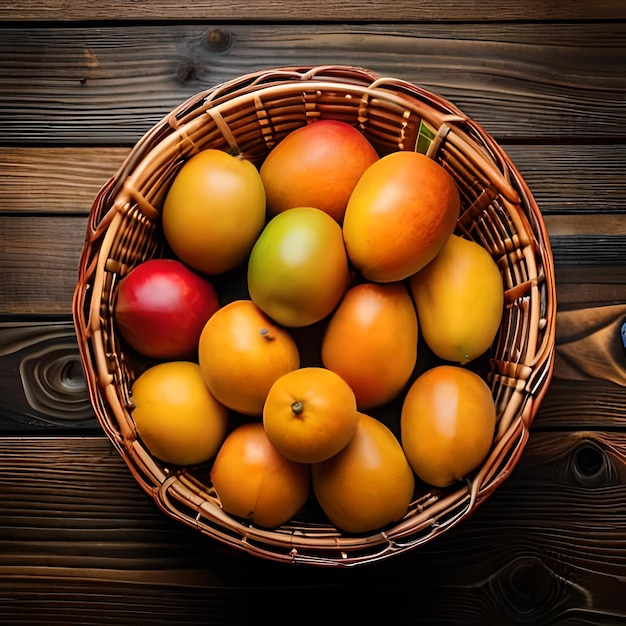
316, 165
399, 216
371, 341
161, 308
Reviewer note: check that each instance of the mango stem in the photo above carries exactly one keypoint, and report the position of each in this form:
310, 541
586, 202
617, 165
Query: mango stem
266, 333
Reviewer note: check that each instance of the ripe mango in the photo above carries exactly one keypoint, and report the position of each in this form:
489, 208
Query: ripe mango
459, 299
316, 165
369, 483
371, 341
400, 214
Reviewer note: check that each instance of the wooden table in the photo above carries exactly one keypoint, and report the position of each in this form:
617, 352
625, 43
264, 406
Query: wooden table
81, 82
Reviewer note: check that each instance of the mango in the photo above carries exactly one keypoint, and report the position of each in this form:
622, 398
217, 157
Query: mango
316, 165
371, 341
400, 214
459, 298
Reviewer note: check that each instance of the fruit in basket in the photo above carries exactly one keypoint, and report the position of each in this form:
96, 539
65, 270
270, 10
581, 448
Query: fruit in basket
371, 341
161, 308
447, 424
256, 482
316, 165
310, 414
214, 211
367, 485
241, 353
175, 415
399, 216
459, 298
298, 269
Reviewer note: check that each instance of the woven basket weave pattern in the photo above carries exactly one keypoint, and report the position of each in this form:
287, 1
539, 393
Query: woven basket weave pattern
250, 115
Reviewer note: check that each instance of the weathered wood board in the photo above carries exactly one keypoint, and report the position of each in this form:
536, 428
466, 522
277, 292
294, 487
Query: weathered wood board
80, 542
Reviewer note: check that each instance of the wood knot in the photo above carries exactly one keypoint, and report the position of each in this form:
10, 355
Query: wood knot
218, 39
591, 467
526, 590
54, 384
187, 73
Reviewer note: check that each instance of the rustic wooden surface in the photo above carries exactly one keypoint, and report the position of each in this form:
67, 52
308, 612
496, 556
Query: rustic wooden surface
80, 543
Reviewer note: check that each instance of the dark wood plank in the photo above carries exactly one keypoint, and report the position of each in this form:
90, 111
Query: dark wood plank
587, 286
40, 256
43, 390
108, 85
55, 180
570, 404
42, 383
287, 10
579, 178
53, 188
601, 248
564, 179
79, 535
39, 260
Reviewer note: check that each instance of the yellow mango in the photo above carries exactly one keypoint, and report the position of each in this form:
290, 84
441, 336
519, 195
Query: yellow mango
459, 298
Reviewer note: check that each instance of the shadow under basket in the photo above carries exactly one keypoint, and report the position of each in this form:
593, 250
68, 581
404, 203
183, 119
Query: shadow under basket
250, 115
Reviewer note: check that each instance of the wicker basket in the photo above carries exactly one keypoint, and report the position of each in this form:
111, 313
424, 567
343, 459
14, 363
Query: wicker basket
250, 115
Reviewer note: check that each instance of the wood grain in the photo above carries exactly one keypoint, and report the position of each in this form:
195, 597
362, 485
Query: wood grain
52, 243
287, 10
42, 385
580, 286
80, 542
74, 522
39, 260
108, 85
55, 180
566, 180
52, 190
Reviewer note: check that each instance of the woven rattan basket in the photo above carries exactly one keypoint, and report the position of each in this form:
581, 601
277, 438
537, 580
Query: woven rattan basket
250, 115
